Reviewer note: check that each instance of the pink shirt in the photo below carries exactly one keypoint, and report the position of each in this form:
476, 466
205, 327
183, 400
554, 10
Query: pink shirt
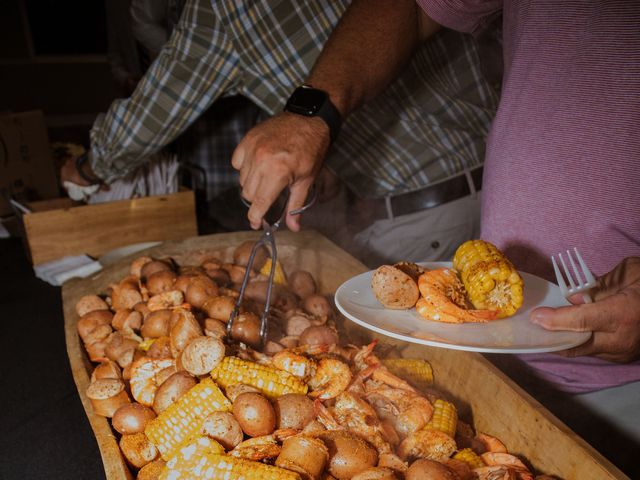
562, 164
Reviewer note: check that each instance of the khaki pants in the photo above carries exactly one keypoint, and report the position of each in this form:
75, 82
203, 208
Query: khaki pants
427, 235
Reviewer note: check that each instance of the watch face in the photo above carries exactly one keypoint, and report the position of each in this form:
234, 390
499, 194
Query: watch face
306, 101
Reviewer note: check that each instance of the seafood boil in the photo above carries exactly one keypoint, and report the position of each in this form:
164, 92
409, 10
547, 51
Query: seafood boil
186, 403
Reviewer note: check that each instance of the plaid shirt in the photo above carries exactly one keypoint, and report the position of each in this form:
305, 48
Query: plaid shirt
428, 126
209, 143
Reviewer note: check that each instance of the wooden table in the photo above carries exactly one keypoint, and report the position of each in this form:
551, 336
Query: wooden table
483, 394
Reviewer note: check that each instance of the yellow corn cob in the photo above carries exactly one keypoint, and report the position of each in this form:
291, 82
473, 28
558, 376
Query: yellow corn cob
184, 417
196, 446
271, 381
416, 371
146, 344
278, 276
444, 418
210, 466
491, 280
472, 458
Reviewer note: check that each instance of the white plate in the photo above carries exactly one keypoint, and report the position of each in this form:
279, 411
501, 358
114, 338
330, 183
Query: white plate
515, 334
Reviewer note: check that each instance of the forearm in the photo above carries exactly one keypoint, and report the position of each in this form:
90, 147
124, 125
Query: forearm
193, 69
372, 43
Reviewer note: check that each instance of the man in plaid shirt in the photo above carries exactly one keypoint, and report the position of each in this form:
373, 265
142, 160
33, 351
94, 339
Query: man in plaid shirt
428, 128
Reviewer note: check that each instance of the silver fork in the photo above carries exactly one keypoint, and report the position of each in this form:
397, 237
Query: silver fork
576, 284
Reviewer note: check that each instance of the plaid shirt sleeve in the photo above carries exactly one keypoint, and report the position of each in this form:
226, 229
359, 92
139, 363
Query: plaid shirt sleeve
210, 142
196, 66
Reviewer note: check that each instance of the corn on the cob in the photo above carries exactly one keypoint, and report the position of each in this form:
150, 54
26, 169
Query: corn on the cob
444, 418
416, 371
196, 446
271, 381
209, 466
469, 456
278, 276
184, 417
491, 280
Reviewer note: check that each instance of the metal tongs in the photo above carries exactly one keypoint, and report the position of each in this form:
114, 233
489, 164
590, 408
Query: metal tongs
270, 223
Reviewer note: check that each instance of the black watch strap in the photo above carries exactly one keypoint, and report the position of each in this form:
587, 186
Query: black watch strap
80, 161
331, 116
312, 102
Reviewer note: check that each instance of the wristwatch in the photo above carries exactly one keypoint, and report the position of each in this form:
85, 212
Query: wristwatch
312, 102
80, 161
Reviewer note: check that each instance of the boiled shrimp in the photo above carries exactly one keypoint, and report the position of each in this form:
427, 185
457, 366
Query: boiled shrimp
352, 413
427, 443
505, 459
491, 444
331, 378
296, 362
368, 363
263, 447
444, 300
361, 419
495, 472
500, 465
408, 412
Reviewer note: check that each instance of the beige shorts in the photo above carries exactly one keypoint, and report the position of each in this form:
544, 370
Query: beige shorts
428, 235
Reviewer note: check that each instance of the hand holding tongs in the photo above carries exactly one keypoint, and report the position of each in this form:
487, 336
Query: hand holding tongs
267, 239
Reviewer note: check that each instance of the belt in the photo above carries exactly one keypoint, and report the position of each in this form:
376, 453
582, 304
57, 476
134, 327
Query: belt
425, 198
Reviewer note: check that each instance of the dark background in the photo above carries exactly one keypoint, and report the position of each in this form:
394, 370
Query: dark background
56, 27
53, 58
44, 432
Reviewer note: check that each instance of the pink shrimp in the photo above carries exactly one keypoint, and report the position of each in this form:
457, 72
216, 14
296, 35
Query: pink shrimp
443, 299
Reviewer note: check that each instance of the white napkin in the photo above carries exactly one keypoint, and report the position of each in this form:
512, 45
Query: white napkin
56, 272
78, 192
159, 176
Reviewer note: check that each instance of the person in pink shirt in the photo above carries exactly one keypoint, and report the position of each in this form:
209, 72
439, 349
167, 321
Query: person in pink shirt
562, 165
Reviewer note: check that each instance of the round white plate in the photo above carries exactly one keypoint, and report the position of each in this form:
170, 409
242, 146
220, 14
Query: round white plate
515, 334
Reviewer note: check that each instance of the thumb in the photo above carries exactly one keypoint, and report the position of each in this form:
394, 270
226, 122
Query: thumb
576, 318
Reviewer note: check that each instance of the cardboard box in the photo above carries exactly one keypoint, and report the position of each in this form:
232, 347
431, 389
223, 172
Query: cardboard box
60, 227
26, 165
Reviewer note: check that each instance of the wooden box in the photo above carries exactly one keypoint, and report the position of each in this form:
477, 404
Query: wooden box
60, 227
497, 405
